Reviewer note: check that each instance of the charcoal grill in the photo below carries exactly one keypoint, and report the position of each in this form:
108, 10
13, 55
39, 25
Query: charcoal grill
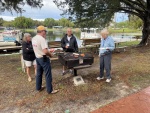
75, 62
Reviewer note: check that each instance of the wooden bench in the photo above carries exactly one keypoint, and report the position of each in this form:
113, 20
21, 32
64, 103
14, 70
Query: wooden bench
90, 41
54, 44
120, 49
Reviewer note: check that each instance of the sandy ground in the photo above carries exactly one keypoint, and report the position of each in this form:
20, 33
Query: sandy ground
130, 73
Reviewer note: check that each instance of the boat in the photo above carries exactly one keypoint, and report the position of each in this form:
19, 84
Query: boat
57, 30
90, 36
10, 36
89, 33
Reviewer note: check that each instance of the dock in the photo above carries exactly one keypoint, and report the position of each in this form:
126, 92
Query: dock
10, 48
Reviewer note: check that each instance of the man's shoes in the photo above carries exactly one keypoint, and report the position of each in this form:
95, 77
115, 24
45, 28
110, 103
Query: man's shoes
63, 73
29, 79
71, 71
54, 91
108, 80
100, 78
42, 88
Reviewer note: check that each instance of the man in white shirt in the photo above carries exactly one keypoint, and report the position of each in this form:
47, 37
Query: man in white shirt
42, 54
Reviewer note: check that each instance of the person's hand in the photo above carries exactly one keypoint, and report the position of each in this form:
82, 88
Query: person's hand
107, 48
67, 46
52, 50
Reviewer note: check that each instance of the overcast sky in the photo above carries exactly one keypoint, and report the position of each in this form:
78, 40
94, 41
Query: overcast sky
49, 10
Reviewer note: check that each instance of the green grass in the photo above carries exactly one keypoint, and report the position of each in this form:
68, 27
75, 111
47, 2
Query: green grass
131, 43
124, 30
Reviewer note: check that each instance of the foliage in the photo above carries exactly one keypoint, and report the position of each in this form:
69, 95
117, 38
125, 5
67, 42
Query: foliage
1, 21
65, 22
49, 22
17, 5
100, 12
124, 24
135, 22
37, 23
8, 23
23, 22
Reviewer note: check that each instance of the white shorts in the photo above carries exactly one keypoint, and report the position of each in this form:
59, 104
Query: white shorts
29, 63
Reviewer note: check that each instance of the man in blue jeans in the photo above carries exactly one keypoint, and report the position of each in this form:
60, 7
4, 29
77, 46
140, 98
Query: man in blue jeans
106, 48
42, 54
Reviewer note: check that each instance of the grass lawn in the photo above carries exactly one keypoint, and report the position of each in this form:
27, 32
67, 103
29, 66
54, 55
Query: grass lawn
125, 30
130, 73
128, 43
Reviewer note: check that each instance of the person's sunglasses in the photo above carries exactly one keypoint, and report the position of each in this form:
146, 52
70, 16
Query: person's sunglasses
45, 31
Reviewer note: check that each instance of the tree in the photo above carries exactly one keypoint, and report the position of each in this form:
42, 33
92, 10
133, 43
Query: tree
1, 21
49, 22
103, 10
8, 24
37, 23
65, 22
135, 22
23, 22
17, 5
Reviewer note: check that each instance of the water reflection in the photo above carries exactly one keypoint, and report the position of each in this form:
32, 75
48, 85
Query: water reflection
57, 36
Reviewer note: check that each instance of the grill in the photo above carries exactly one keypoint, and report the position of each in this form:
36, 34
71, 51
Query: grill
75, 60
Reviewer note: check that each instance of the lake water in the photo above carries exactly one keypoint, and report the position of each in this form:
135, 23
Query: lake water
57, 36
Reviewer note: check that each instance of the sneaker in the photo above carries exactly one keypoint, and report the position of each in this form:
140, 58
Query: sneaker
29, 79
100, 78
70, 70
108, 80
54, 91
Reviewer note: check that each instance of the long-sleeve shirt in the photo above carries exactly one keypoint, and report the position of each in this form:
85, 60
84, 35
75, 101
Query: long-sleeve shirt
73, 46
107, 45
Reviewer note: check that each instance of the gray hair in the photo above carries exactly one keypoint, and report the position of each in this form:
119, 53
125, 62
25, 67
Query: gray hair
104, 31
25, 36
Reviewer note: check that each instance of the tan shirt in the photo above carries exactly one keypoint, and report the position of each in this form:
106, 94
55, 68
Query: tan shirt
39, 43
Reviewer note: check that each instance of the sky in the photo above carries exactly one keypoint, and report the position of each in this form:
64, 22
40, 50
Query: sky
49, 10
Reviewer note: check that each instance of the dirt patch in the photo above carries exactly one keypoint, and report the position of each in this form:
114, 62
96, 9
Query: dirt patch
130, 73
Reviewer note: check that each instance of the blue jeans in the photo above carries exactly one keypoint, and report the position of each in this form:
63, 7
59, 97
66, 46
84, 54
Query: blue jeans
105, 63
44, 65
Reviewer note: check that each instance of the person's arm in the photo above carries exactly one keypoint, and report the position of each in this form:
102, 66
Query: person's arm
45, 48
76, 45
47, 52
30, 49
63, 43
24, 47
111, 45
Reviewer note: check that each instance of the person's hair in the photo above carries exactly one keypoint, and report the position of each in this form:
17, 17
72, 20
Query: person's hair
104, 31
25, 36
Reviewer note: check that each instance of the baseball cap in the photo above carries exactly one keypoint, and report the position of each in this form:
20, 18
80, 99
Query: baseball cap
41, 28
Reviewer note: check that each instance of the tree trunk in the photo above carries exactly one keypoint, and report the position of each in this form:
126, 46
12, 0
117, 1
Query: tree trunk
145, 33
146, 27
